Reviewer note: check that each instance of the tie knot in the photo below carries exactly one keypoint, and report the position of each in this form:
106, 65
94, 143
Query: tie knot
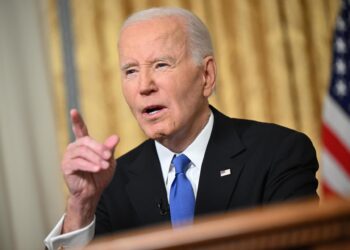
180, 163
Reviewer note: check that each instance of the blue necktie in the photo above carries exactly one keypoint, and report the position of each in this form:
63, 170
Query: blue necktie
182, 199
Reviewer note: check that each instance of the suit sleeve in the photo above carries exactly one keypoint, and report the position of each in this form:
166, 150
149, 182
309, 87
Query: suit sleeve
114, 211
292, 173
103, 224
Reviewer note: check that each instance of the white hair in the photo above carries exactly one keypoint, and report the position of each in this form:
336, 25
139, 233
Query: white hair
199, 38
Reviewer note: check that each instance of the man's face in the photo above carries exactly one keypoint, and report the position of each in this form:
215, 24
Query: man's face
162, 85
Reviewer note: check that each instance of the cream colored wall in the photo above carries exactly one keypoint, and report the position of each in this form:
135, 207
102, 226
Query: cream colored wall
31, 199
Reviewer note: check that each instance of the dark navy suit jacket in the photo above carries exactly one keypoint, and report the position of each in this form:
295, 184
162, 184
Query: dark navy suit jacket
268, 163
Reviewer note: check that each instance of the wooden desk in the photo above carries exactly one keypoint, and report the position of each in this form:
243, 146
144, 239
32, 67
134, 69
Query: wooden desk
292, 225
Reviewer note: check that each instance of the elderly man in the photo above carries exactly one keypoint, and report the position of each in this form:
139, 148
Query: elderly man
197, 161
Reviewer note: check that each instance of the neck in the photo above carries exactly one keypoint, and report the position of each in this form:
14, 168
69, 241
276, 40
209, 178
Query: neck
179, 142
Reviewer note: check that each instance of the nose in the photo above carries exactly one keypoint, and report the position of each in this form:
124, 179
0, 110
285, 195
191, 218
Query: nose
147, 84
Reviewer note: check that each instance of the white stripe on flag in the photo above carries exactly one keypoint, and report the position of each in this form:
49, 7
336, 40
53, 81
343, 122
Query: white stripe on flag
337, 120
334, 175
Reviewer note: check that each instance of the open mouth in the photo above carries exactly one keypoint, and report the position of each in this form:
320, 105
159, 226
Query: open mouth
153, 109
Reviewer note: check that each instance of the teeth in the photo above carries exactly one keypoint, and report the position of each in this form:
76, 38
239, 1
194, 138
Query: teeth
153, 112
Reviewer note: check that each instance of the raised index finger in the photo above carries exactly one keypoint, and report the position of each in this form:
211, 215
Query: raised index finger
78, 124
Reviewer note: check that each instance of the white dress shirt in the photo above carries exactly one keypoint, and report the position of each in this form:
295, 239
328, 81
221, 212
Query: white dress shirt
195, 152
75, 239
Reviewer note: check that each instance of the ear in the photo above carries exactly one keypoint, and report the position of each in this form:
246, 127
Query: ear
209, 75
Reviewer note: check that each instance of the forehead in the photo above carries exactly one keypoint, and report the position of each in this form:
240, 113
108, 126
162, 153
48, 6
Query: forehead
161, 33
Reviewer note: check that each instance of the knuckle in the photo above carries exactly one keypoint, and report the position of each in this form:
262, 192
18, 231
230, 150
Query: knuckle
83, 151
65, 163
66, 172
85, 139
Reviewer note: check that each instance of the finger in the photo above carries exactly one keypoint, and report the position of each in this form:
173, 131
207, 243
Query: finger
97, 147
80, 164
78, 124
88, 154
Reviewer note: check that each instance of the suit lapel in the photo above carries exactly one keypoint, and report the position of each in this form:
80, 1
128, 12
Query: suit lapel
225, 152
146, 188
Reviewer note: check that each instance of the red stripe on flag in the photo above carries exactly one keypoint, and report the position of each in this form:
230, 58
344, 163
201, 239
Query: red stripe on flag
336, 148
328, 191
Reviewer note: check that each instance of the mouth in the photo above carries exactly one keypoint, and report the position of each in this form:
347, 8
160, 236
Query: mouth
153, 110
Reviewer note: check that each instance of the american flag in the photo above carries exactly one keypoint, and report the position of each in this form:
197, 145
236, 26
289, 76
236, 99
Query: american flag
336, 117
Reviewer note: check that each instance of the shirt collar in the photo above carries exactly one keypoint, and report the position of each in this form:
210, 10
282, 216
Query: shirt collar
195, 151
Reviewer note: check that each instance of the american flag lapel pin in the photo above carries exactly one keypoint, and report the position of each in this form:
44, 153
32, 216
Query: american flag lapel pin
225, 172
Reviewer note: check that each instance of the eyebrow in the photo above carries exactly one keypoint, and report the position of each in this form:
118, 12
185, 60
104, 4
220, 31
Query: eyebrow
165, 58
162, 58
127, 65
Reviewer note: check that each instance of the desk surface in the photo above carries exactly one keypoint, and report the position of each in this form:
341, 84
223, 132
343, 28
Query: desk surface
288, 225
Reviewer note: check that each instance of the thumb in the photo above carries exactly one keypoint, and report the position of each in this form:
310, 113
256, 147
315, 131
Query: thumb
111, 142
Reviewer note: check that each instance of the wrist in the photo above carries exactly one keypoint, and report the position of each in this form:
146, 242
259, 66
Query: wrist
79, 214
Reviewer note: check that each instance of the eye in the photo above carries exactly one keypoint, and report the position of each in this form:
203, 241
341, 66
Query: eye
162, 65
129, 72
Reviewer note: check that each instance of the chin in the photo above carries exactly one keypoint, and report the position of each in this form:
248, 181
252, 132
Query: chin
157, 137
155, 134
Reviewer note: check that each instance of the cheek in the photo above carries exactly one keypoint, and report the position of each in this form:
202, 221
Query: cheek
194, 87
190, 96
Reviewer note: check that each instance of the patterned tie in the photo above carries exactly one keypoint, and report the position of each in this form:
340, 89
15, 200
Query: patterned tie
182, 199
